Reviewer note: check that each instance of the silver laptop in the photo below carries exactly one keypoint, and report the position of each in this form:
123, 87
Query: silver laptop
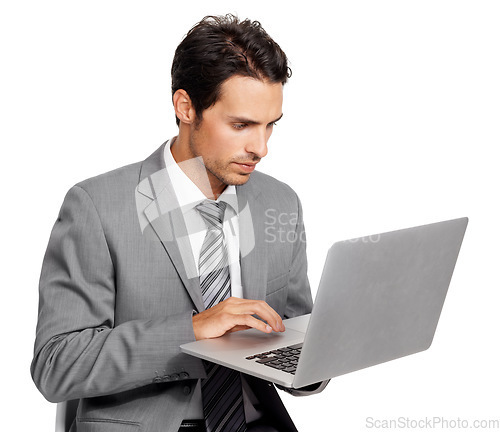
379, 299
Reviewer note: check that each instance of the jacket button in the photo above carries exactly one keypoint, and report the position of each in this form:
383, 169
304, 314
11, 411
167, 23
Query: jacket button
187, 390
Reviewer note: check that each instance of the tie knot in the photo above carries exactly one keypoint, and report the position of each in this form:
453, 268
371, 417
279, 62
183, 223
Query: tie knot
212, 213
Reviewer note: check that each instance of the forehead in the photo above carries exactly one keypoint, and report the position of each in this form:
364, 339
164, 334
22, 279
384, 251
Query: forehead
252, 98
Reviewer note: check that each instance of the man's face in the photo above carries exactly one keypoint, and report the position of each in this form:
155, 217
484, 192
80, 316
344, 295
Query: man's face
233, 133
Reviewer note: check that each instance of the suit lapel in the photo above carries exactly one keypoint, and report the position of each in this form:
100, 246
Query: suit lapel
253, 251
157, 206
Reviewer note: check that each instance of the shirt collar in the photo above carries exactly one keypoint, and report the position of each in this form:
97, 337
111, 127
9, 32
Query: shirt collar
188, 194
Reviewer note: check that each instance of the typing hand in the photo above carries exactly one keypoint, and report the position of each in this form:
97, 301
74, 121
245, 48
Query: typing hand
235, 314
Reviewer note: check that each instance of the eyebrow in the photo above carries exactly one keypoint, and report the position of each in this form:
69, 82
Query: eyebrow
252, 122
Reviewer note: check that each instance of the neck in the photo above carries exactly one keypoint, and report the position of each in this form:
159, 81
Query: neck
194, 168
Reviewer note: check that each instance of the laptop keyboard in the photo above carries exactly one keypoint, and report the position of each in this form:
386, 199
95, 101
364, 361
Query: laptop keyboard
285, 359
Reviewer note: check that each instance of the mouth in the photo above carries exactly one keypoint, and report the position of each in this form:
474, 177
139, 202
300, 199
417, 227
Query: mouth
247, 167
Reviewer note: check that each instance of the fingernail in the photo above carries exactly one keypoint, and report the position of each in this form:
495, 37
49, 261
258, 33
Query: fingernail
268, 328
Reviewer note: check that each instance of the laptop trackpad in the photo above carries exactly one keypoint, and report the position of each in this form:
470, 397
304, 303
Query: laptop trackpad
299, 323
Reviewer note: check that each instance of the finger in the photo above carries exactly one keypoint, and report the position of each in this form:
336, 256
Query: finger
267, 313
239, 328
234, 305
251, 322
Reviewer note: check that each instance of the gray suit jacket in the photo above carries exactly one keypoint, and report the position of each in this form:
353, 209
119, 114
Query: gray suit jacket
116, 299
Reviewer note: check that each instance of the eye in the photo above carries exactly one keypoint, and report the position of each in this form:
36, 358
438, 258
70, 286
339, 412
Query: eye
272, 124
239, 126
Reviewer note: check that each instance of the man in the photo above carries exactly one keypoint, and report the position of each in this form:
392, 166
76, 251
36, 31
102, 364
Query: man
162, 252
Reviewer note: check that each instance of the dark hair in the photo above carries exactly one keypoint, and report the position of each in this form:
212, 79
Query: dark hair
219, 47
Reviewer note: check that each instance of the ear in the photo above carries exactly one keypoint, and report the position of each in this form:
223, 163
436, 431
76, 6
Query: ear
184, 109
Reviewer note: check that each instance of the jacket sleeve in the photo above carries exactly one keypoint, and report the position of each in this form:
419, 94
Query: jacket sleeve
299, 301
79, 352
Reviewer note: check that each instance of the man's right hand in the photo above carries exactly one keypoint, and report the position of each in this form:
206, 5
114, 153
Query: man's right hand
235, 314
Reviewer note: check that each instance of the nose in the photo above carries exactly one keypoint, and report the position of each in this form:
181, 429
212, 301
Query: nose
258, 144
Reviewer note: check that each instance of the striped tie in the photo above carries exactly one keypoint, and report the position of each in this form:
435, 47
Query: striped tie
221, 390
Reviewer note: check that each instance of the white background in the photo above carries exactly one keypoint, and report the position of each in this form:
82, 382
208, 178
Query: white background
391, 120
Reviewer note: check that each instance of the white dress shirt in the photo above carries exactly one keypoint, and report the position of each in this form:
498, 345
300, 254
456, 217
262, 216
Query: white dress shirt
189, 196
